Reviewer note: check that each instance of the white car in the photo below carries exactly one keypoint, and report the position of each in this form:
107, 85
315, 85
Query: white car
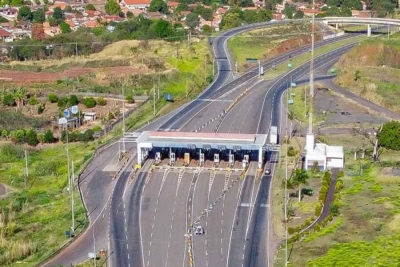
267, 171
199, 230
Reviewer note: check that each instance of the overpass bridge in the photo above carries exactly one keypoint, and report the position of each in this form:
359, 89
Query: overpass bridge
361, 21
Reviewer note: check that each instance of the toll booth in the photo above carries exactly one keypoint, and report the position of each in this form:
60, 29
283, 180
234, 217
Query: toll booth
172, 158
216, 159
187, 158
201, 159
246, 160
231, 160
158, 157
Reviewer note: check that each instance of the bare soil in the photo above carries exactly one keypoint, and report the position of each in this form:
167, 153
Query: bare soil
37, 77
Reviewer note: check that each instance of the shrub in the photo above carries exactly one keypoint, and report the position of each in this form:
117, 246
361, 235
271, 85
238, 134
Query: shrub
73, 100
90, 102
31, 137
9, 100
291, 152
41, 108
335, 208
291, 230
318, 210
96, 128
18, 136
4, 134
53, 98
33, 101
317, 227
101, 101
62, 102
48, 137
340, 174
339, 185
130, 99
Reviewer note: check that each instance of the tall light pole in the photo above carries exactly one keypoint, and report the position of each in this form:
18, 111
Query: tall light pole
286, 180
69, 175
312, 68
72, 199
123, 119
26, 167
154, 100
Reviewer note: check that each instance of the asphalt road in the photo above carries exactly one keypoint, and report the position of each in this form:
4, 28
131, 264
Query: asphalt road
222, 85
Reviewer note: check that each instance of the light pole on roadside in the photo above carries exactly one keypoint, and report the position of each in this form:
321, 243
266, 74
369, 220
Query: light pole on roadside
72, 199
123, 119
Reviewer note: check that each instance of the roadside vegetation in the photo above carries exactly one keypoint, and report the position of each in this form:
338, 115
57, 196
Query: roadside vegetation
35, 219
372, 71
266, 43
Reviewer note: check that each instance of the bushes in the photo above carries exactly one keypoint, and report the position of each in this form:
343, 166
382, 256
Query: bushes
90, 102
33, 101
41, 108
53, 98
101, 101
77, 136
130, 99
31, 138
48, 137
318, 210
291, 151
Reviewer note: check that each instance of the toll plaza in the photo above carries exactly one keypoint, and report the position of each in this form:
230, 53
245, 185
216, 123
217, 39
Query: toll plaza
201, 149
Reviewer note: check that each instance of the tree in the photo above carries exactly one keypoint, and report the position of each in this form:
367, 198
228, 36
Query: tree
9, 99
38, 31
65, 27
73, 100
24, 13
39, 16
68, 9
231, 20
16, 2
300, 178
112, 7
31, 138
389, 136
162, 29
192, 20
48, 136
33, 101
158, 6
129, 14
298, 14
58, 14
90, 102
90, 7
207, 30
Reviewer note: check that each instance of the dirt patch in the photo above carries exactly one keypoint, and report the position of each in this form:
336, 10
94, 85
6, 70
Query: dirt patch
3, 190
335, 110
38, 77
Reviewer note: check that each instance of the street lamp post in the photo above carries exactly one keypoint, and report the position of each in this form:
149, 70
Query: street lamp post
72, 199
286, 179
123, 120
69, 174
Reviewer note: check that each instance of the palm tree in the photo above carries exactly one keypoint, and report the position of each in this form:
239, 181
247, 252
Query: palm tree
300, 178
19, 95
291, 117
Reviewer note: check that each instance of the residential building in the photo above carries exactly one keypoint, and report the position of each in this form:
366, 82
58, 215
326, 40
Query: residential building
5, 36
135, 4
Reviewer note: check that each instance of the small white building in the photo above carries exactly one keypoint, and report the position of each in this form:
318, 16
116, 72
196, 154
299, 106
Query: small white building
89, 116
328, 157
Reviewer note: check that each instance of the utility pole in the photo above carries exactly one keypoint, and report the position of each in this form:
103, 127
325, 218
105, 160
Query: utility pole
286, 179
205, 68
69, 175
94, 249
158, 88
388, 32
26, 167
72, 199
187, 90
123, 119
154, 100
312, 70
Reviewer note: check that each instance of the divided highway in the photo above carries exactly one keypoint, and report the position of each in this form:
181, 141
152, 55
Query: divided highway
148, 216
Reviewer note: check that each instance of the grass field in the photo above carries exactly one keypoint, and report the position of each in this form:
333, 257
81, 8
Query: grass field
371, 70
265, 43
301, 59
367, 231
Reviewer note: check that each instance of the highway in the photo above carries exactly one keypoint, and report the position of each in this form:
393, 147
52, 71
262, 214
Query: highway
148, 217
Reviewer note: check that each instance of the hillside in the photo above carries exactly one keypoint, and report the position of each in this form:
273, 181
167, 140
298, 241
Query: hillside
372, 70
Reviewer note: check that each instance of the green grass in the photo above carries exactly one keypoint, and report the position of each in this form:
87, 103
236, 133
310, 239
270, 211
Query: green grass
303, 58
259, 43
42, 213
368, 230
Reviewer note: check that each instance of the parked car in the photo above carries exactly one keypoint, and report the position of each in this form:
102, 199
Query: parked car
267, 171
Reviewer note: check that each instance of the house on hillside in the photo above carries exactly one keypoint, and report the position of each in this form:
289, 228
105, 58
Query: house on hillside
5, 36
135, 4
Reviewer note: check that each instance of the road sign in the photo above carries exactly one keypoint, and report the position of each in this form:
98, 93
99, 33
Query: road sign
290, 102
293, 84
289, 65
62, 121
292, 94
251, 59
66, 113
74, 109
